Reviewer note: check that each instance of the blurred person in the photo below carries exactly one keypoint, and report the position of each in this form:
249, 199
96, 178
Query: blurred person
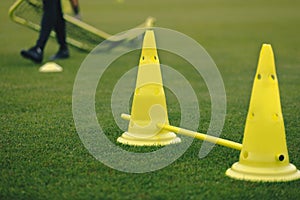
75, 7
52, 19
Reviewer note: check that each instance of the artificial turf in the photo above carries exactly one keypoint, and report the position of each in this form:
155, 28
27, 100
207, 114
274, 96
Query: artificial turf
42, 156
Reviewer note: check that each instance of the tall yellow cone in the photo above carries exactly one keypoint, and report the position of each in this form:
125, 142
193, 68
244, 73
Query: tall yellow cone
264, 155
149, 102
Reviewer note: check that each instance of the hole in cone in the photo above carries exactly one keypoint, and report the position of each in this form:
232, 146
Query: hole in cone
275, 116
281, 157
245, 154
259, 76
272, 76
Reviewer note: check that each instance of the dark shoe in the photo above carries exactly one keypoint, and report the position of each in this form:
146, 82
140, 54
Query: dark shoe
61, 54
35, 54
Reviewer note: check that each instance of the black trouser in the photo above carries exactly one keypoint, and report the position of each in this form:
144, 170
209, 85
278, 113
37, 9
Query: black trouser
52, 19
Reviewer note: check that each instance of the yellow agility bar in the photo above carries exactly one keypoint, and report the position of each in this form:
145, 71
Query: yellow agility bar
200, 136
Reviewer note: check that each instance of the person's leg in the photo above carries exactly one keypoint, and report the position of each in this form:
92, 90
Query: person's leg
60, 30
60, 26
75, 6
48, 22
52, 18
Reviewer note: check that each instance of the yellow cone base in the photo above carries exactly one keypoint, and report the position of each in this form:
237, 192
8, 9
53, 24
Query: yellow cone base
267, 174
157, 140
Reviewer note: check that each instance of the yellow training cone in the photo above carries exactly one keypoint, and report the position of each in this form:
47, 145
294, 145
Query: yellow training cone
149, 102
264, 155
50, 67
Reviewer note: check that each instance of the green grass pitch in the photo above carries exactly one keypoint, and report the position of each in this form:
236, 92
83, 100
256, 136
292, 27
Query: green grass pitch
41, 154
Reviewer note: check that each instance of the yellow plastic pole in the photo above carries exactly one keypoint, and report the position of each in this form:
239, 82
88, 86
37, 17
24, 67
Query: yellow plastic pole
200, 136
